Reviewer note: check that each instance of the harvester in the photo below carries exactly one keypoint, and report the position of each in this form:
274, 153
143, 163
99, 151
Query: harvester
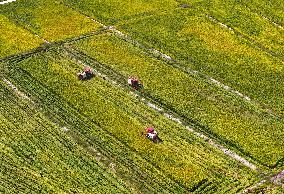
152, 135
135, 83
87, 74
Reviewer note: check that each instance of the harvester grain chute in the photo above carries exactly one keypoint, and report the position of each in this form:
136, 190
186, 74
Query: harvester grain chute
87, 74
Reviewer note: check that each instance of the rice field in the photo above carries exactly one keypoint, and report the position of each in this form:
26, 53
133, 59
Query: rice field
212, 75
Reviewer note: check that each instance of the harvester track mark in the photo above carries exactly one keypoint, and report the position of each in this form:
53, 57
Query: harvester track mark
264, 17
274, 23
159, 108
177, 64
274, 180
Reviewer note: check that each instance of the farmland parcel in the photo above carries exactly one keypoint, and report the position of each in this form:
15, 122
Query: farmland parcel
213, 88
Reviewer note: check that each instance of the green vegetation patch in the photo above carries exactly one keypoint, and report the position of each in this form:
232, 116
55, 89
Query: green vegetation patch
251, 24
182, 162
112, 11
228, 117
38, 157
50, 19
203, 45
14, 39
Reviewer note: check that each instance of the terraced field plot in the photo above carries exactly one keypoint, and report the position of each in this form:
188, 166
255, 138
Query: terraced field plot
216, 98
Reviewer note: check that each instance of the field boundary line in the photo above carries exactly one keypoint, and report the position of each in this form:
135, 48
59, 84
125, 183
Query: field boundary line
264, 17
45, 47
8, 1
177, 64
170, 116
275, 180
274, 23
180, 66
16, 90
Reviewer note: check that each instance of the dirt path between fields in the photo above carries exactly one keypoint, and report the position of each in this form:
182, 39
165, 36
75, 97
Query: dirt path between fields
17, 92
276, 180
156, 107
8, 1
205, 77
274, 23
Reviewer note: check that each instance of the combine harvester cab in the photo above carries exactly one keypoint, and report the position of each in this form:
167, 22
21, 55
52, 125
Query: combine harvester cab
135, 83
152, 135
87, 74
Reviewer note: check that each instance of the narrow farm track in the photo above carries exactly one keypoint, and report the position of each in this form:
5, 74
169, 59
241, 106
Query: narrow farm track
274, 180
274, 23
5, 2
206, 78
266, 18
152, 103
154, 52
106, 151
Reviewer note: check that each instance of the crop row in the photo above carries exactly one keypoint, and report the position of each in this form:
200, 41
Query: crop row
187, 161
37, 157
272, 9
252, 24
207, 47
239, 122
